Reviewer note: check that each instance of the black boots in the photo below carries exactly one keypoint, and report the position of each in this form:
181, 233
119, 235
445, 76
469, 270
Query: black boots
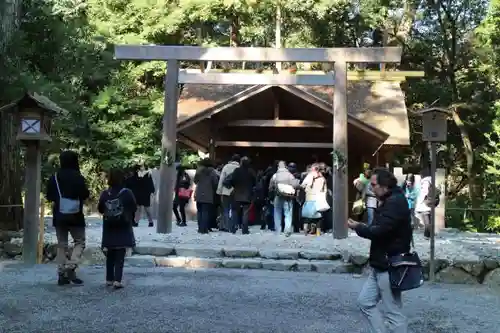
68, 277
62, 279
72, 277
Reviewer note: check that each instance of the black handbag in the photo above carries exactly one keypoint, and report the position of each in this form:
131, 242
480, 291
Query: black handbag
405, 271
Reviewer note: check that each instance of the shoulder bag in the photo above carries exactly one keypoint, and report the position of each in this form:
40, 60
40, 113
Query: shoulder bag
405, 270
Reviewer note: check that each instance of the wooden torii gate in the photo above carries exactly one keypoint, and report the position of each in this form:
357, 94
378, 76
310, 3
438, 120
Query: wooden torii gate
340, 57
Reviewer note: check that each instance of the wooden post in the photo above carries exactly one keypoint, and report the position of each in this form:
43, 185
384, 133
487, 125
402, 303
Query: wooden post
211, 141
211, 150
41, 232
432, 264
340, 184
168, 149
31, 202
277, 41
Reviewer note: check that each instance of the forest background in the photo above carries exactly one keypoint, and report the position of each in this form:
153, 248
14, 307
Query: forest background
63, 49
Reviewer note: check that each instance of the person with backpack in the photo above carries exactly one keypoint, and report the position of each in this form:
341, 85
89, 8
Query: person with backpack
67, 190
225, 190
118, 206
284, 185
315, 187
424, 201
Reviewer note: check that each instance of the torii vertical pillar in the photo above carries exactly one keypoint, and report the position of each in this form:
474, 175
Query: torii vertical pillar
339, 177
168, 149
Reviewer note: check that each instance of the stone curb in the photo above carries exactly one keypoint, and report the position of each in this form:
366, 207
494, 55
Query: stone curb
189, 256
299, 265
483, 271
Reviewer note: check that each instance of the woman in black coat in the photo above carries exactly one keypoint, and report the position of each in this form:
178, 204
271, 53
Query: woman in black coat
182, 195
117, 205
142, 187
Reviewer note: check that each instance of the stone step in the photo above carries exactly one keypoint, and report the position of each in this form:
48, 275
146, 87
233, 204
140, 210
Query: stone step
476, 270
229, 252
300, 265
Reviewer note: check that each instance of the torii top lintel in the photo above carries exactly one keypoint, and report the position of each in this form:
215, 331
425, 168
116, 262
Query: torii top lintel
235, 54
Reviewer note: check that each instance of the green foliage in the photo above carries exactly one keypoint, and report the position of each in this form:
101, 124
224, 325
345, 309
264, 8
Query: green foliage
64, 50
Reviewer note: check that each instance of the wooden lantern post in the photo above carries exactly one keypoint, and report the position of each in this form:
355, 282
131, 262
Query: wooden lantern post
34, 121
434, 129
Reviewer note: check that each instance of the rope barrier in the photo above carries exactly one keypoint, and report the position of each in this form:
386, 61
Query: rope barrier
476, 209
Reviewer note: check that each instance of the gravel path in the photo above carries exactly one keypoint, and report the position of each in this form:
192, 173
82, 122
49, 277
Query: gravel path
175, 300
450, 245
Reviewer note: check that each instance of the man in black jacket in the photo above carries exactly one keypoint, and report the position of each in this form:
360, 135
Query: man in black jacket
390, 234
67, 191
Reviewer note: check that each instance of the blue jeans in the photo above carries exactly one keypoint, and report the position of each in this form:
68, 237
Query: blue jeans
226, 203
377, 288
370, 212
283, 206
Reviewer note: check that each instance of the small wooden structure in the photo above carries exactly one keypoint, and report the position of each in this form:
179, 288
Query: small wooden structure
340, 57
292, 122
434, 130
33, 119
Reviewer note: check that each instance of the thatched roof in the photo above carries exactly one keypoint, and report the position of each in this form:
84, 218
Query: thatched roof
40, 100
379, 104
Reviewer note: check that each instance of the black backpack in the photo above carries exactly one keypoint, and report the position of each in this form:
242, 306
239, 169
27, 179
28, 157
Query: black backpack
114, 211
228, 181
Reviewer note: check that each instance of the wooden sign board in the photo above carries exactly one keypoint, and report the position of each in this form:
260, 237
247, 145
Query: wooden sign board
434, 126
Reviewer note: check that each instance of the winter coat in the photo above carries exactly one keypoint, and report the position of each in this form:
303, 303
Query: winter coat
282, 176
227, 170
390, 232
119, 235
314, 187
244, 181
206, 181
142, 187
72, 186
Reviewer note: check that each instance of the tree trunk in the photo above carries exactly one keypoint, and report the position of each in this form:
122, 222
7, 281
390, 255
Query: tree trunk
11, 173
10, 12
469, 155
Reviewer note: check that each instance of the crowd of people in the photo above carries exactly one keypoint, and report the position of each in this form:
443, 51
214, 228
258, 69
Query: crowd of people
234, 189
234, 196
418, 198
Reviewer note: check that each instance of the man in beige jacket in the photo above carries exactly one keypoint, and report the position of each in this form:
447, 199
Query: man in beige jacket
225, 192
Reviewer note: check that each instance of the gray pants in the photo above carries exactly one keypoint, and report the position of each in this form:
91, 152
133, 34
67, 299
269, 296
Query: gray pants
377, 288
78, 234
